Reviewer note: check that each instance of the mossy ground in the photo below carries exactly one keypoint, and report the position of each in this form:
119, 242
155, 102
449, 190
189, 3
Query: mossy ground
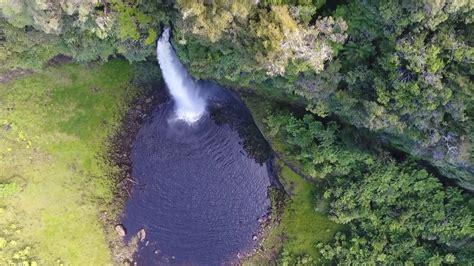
293, 236
54, 180
304, 226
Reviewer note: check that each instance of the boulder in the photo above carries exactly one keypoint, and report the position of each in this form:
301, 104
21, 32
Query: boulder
141, 234
120, 229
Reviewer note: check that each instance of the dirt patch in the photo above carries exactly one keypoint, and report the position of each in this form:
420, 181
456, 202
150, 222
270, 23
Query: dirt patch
16, 73
59, 59
13, 74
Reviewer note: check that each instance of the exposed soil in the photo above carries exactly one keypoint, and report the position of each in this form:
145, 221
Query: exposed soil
16, 73
13, 74
59, 59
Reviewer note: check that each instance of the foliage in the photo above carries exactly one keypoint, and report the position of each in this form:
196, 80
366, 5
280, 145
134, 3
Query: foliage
399, 69
304, 221
404, 71
396, 212
26, 48
212, 20
35, 31
255, 39
316, 146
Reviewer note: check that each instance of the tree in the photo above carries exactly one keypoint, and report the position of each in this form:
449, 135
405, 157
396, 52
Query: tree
396, 211
399, 214
411, 84
85, 30
316, 146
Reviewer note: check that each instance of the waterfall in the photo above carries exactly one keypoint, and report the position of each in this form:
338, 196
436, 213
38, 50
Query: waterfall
189, 104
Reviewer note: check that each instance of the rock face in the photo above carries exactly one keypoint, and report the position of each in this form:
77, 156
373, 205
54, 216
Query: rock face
120, 229
141, 234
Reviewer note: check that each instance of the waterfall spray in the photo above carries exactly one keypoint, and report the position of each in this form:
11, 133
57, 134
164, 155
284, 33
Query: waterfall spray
189, 104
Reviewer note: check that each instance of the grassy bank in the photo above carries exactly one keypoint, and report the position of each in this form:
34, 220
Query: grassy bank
53, 181
294, 235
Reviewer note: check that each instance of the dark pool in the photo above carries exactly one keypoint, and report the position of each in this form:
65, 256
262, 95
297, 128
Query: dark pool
199, 192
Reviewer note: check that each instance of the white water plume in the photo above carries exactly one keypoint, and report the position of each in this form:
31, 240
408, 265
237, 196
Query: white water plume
189, 104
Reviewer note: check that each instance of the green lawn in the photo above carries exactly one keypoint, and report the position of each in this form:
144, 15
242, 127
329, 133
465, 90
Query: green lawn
53, 183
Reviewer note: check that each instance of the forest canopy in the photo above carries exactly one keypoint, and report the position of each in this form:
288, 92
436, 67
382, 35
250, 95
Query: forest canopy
397, 212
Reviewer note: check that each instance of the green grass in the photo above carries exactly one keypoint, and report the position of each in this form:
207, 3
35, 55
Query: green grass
53, 126
304, 227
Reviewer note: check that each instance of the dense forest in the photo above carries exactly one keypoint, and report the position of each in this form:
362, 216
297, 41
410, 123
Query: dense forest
371, 100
